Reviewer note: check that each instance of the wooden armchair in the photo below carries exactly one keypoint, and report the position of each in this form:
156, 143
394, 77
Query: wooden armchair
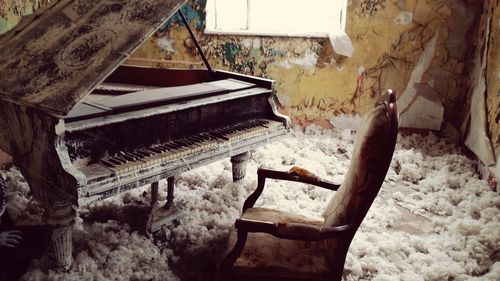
266, 244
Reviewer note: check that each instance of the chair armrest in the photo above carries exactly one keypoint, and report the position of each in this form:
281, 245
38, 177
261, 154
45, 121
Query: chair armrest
296, 174
293, 231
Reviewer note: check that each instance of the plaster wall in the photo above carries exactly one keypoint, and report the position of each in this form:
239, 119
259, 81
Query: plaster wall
491, 13
314, 83
11, 11
493, 75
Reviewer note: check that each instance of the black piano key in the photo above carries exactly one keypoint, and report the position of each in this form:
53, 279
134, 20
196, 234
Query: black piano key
155, 150
137, 155
182, 143
160, 149
119, 159
133, 155
167, 145
199, 138
219, 136
114, 161
170, 146
194, 143
150, 152
142, 153
175, 145
127, 156
193, 139
190, 142
164, 147
106, 163
211, 137
122, 157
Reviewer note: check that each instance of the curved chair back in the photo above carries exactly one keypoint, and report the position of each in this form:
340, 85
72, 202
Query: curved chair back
373, 149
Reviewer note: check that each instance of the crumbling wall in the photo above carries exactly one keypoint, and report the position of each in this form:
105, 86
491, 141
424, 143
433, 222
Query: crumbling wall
314, 83
493, 75
11, 11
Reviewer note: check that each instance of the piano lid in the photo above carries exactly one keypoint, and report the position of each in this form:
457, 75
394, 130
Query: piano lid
62, 55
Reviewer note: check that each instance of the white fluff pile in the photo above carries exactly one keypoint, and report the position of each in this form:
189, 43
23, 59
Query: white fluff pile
434, 218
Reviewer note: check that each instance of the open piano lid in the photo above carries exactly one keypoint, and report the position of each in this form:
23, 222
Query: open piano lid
62, 55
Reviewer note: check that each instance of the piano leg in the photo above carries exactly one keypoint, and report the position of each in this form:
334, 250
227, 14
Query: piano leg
62, 217
154, 193
240, 165
170, 192
162, 216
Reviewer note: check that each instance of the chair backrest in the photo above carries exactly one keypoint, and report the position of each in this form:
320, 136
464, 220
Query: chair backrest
372, 154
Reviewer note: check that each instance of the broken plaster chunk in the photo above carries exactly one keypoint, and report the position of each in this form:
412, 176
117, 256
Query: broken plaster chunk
423, 11
341, 43
476, 139
426, 111
404, 18
444, 11
284, 100
406, 99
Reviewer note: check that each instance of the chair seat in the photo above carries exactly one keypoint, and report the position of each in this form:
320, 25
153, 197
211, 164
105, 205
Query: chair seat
266, 256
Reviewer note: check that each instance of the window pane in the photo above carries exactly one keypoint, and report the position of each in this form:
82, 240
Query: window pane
231, 14
276, 17
294, 15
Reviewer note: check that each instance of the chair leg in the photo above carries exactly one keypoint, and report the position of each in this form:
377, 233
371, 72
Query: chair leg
338, 267
224, 272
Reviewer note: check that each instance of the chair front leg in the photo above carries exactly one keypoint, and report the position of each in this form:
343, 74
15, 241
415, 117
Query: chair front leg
224, 273
261, 181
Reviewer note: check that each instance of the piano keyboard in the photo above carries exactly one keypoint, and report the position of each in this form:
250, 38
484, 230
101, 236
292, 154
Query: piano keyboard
127, 161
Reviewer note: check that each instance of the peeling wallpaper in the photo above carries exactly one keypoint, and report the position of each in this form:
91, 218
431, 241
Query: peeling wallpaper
313, 82
11, 11
492, 7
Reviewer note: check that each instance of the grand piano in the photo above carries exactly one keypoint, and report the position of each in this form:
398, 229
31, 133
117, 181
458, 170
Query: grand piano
81, 126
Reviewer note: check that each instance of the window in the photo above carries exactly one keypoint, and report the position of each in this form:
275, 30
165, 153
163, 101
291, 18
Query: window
311, 18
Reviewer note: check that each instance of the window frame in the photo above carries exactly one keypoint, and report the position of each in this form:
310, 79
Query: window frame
210, 25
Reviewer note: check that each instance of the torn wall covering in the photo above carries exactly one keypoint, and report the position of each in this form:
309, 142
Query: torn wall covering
11, 11
313, 82
491, 13
493, 75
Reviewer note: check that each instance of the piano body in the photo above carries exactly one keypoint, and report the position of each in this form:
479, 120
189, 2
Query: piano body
82, 127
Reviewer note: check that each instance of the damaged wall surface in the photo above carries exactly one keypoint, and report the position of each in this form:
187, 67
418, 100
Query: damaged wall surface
482, 129
390, 39
314, 83
493, 75
11, 11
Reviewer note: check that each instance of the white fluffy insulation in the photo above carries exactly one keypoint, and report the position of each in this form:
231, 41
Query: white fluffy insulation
434, 218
